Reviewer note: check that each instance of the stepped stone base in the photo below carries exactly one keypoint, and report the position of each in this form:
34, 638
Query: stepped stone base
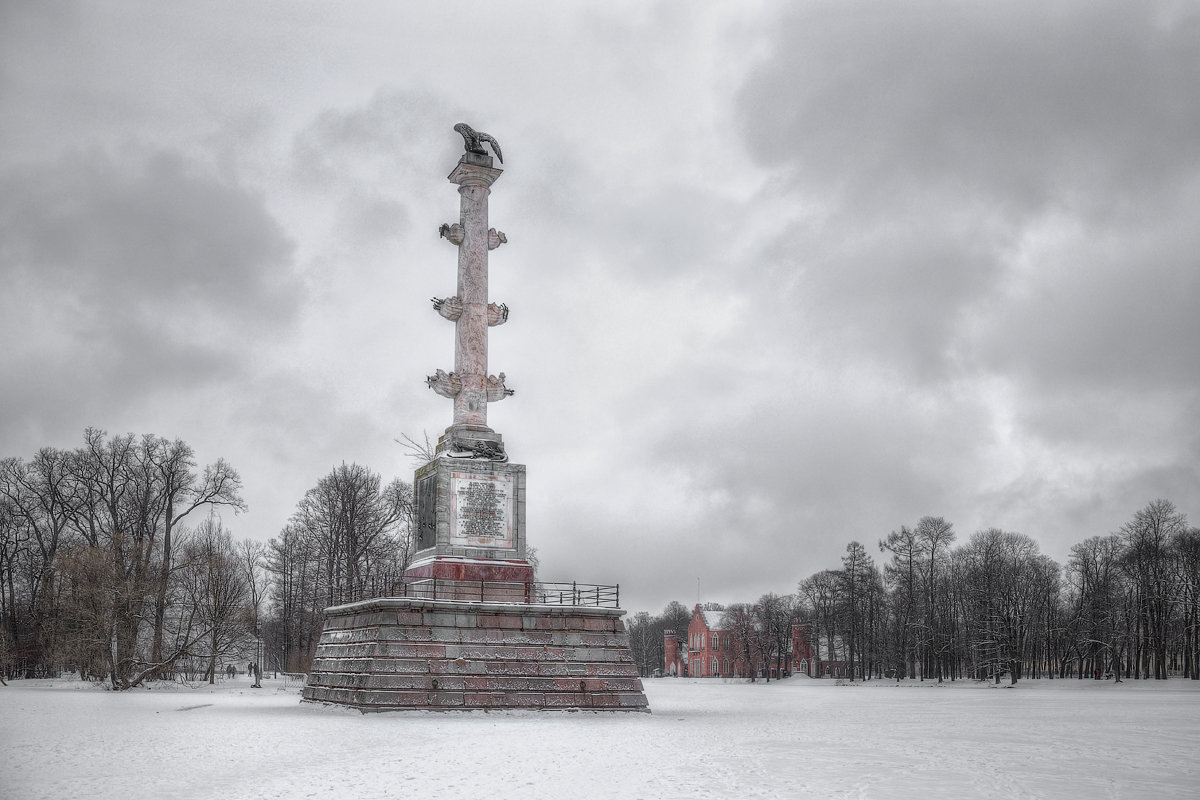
393, 654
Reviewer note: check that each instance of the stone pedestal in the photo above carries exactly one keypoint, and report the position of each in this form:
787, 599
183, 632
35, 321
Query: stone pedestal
470, 526
399, 653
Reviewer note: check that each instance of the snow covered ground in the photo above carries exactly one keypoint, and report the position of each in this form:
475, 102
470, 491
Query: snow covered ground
705, 738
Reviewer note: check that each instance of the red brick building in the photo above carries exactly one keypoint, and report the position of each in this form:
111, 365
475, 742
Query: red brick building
811, 658
675, 656
707, 652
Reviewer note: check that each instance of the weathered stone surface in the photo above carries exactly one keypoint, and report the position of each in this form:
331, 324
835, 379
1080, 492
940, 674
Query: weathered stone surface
403, 653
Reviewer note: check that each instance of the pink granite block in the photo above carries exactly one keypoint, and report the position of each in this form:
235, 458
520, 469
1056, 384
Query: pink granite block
457, 666
431, 650
613, 669
633, 701
564, 699
530, 653
398, 649
596, 639
448, 635
401, 666
447, 699
510, 668
413, 633
532, 638
476, 635
483, 699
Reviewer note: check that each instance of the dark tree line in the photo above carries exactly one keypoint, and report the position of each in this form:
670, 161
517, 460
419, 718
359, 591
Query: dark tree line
97, 571
1125, 605
115, 563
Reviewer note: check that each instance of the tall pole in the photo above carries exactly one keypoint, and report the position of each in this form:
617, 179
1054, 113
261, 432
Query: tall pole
470, 385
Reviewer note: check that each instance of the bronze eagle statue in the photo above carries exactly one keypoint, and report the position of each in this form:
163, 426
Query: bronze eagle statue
473, 140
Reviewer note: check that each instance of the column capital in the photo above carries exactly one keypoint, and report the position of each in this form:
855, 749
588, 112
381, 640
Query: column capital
474, 170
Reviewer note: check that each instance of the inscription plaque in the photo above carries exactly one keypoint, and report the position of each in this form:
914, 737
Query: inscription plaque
481, 510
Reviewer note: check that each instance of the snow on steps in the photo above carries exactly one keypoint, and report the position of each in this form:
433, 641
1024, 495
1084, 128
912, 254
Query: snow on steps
405, 653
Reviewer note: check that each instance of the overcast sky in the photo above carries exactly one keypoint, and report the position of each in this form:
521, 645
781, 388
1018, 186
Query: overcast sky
782, 275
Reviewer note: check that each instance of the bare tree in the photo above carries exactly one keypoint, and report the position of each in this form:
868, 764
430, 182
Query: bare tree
115, 523
1097, 586
350, 538
745, 627
853, 585
217, 588
297, 598
1006, 578
181, 491
777, 613
40, 498
643, 631
361, 528
935, 535
421, 452
821, 591
252, 561
14, 540
903, 574
1148, 537
1186, 548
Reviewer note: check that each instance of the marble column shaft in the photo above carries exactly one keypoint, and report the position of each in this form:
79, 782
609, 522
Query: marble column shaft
471, 328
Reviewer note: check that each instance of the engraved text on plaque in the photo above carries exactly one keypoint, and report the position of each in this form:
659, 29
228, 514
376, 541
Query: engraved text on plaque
481, 510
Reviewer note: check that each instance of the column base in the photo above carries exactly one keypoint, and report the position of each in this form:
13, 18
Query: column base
471, 441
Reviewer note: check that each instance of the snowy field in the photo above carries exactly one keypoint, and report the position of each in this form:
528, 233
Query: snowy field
795, 738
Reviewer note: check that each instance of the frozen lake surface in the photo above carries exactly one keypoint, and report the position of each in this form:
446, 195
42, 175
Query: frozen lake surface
705, 738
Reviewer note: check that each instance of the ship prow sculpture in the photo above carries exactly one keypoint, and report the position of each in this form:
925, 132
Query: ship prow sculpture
469, 627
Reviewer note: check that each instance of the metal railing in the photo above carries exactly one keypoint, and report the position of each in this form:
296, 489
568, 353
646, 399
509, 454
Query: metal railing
294, 680
588, 595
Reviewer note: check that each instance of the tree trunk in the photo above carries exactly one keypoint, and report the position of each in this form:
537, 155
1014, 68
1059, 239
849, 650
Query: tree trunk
160, 598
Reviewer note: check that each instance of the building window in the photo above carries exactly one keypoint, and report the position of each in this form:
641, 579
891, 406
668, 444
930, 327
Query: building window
716, 671
716, 641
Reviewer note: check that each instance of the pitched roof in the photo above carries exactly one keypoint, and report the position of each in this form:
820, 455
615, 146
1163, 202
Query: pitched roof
711, 617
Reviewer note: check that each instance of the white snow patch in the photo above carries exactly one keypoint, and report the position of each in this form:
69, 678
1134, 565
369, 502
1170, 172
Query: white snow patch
705, 739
